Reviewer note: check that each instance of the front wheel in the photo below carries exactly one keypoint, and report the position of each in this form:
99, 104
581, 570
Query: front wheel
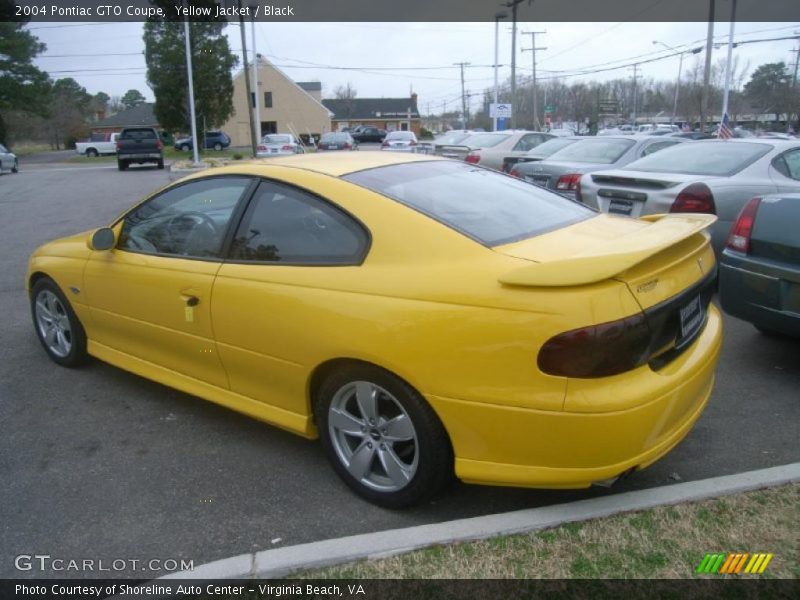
382, 437
57, 327
122, 165
185, 147
91, 153
15, 168
217, 146
161, 164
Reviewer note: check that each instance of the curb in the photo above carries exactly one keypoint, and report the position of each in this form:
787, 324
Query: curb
279, 562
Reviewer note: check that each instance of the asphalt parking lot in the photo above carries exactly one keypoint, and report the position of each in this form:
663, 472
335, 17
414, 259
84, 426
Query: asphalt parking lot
97, 463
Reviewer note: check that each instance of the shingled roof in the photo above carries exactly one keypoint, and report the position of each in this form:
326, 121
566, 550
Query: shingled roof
372, 108
141, 115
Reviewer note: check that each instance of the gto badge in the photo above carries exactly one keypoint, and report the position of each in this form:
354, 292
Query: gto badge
647, 287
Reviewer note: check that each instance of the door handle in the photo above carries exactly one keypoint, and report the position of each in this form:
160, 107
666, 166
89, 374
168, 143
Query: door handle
192, 300
191, 296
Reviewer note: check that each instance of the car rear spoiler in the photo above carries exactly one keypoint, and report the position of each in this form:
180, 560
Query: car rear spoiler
613, 257
453, 151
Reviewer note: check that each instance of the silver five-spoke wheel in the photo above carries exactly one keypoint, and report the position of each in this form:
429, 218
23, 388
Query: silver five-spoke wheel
373, 436
53, 323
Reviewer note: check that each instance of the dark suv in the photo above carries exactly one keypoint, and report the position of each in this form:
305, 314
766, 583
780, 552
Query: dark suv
214, 139
139, 145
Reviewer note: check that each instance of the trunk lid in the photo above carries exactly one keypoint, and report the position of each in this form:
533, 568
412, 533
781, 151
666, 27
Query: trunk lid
657, 257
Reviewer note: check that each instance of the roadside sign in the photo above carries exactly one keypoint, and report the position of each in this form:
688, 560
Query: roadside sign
499, 110
609, 107
550, 108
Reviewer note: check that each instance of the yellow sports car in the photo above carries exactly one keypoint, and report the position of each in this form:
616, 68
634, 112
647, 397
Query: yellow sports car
423, 317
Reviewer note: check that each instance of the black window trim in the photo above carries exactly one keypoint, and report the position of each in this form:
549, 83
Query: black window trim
244, 200
227, 244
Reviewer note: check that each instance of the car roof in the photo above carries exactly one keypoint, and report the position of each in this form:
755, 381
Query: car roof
335, 164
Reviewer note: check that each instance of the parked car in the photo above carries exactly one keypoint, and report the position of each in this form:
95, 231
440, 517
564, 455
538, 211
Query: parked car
714, 176
512, 343
399, 141
8, 160
337, 140
692, 135
563, 170
216, 140
562, 132
369, 134
759, 276
96, 147
139, 145
541, 152
279, 144
485, 152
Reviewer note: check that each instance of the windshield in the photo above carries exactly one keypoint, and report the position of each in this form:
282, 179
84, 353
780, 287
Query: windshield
453, 137
400, 135
335, 137
485, 140
277, 139
550, 147
484, 205
598, 151
702, 158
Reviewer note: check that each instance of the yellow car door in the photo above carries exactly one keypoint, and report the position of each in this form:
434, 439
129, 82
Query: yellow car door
268, 307
150, 295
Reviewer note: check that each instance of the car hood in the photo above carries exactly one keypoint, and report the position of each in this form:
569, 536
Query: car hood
73, 246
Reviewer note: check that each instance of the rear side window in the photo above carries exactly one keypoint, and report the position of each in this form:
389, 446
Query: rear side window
139, 134
723, 158
598, 151
788, 164
287, 225
485, 140
484, 205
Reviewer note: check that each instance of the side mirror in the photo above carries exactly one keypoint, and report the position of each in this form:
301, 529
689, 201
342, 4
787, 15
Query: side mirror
101, 239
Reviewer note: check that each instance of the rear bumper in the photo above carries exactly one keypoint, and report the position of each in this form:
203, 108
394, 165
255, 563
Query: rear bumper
767, 295
501, 445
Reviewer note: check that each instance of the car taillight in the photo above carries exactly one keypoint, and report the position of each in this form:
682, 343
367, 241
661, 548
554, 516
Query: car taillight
598, 350
412, 143
385, 145
568, 182
515, 173
578, 194
159, 145
119, 144
287, 147
473, 158
739, 238
261, 147
696, 198
347, 146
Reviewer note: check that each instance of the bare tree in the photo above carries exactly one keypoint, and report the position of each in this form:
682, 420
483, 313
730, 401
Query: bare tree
345, 92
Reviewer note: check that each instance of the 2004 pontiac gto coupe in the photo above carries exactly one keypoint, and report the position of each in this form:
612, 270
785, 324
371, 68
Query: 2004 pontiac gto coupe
423, 317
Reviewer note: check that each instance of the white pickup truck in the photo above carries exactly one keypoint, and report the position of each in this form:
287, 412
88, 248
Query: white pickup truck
107, 144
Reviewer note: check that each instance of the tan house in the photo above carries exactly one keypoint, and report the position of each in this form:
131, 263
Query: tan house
284, 106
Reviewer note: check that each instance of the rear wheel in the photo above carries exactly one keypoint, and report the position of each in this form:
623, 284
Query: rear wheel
57, 327
122, 165
381, 437
91, 153
161, 163
185, 147
15, 168
217, 146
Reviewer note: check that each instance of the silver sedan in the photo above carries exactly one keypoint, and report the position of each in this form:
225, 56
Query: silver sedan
279, 144
8, 160
714, 176
563, 170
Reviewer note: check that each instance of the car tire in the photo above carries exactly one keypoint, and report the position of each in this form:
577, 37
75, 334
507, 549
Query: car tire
185, 147
57, 326
15, 168
161, 164
91, 153
396, 466
122, 165
217, 146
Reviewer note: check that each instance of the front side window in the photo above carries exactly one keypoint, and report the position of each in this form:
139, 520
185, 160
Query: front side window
189, 220
287, 225
487, 206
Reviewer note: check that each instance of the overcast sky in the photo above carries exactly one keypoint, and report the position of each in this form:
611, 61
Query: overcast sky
109, 56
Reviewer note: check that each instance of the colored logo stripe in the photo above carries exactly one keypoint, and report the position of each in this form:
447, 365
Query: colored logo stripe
730, 564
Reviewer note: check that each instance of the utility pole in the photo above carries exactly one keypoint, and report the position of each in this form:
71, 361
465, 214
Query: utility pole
192, 118
635, 77
707, 72
498, 15
512, 4
463, 93
533, 50
728, 66
255, 81
247, 82
796, 60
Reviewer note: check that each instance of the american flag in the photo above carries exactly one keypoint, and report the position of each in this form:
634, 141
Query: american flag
725, 132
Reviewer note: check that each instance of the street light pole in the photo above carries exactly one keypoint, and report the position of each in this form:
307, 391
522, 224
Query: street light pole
728, 64
499, 15
533, 50
192, 118
512, 4
255, 80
